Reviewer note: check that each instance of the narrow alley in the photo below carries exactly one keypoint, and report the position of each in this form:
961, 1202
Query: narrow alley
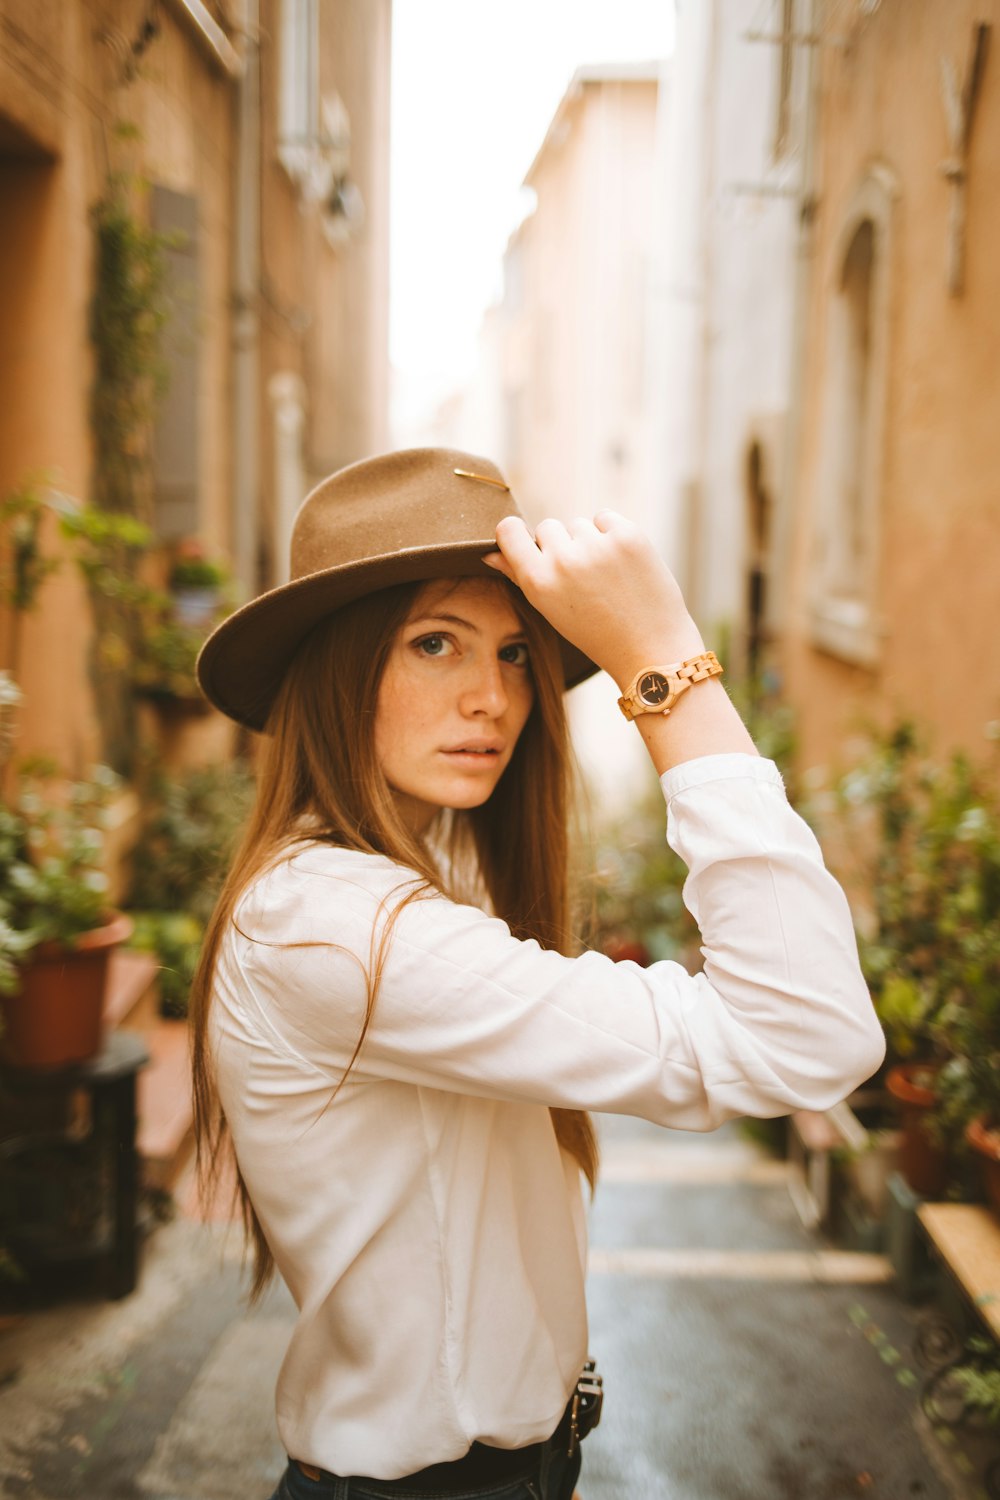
742, 1360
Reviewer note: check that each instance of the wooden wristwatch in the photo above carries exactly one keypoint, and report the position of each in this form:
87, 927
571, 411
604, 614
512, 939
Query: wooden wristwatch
655, 690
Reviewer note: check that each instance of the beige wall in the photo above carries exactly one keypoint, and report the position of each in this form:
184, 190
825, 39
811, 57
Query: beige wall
325, 306
574, 311
61, 92
570, 343
318, 313
938, 519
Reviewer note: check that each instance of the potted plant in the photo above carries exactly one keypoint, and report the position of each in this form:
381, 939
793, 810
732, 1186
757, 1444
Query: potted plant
56, 931
969, 1092
928, 834
175, 625
199, 584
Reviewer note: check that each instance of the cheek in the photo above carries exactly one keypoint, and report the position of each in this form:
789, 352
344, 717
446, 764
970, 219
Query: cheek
522, 703
389, 721
402, 707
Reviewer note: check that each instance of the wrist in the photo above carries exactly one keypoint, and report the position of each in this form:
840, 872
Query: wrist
656, 690
664, 648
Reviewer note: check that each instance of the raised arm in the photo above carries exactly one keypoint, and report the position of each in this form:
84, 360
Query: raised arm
603, 585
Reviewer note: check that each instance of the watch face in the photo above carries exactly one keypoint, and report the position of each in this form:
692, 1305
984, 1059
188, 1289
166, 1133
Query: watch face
653, 689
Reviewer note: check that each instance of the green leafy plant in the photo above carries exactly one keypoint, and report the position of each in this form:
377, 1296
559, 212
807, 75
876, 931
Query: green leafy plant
193, 569
175, 938
128, 312
636, 903
190, 832
925, 838
167, 664
140, 643
638, 911
977, 1380
191, 829
24, 565
52, 885
919, 851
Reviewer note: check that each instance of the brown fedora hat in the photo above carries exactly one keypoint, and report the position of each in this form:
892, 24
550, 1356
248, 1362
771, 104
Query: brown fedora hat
416, 514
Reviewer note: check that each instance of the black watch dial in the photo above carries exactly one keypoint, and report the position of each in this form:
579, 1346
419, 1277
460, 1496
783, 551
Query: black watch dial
653, 689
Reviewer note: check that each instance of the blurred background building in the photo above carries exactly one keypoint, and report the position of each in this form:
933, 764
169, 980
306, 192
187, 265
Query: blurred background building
825, 311
751, 304
251, 139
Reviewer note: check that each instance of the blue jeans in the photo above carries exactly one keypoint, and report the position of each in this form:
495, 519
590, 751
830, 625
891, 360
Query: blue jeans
553, 1478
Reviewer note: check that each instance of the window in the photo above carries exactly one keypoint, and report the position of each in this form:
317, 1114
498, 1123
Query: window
844, 611
175, 438
298, 94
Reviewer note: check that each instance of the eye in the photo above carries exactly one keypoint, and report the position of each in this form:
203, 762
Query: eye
515, 654
433, 645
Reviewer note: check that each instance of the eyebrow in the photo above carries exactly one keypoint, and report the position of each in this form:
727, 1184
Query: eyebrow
434, 617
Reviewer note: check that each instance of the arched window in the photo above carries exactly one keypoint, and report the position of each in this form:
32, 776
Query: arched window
844, 611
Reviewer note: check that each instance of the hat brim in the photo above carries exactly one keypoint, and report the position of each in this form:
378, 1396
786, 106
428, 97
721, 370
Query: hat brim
241, 665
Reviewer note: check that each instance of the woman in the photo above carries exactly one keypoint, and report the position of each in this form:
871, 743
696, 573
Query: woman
388, 1027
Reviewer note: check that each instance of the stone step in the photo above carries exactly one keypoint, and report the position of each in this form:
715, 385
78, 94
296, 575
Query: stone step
166, 1113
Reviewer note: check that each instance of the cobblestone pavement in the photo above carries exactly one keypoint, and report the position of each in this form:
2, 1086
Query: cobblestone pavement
742, 1361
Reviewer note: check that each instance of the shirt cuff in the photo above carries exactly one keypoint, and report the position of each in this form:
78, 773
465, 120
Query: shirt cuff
737, 765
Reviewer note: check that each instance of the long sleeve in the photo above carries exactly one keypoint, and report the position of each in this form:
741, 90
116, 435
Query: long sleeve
779, 1020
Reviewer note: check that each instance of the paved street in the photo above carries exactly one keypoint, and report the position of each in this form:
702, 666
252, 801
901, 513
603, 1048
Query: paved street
741, 1361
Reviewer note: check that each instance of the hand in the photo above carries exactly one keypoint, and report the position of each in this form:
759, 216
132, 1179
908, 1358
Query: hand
602, 585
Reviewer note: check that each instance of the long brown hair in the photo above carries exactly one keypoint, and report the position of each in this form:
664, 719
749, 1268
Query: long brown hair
318, 760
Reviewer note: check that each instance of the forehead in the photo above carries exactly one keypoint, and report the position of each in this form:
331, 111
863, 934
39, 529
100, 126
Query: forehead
481, 601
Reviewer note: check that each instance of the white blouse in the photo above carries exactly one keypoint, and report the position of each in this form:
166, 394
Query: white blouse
428, 1226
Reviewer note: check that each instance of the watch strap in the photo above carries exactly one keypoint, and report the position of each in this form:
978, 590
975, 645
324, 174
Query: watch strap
655, 690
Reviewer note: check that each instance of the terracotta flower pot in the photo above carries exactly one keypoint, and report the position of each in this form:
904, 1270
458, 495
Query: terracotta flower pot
924, 1163
985, 1141
56, 1017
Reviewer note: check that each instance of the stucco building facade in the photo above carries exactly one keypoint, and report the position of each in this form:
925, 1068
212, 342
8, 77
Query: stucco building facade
892, 549
565, 353
253, 137
730, 171
572, 321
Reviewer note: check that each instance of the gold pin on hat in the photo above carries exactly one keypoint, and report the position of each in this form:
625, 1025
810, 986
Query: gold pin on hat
483, 478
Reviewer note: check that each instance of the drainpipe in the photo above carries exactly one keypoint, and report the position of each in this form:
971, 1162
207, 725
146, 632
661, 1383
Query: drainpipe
246, 319
785, 530
211, 35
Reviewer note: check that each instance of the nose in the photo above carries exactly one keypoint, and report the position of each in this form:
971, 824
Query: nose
484, 691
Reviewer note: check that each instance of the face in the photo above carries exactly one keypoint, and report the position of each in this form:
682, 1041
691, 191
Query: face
454, 697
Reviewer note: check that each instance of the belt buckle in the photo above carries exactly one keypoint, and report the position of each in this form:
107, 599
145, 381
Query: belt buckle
585, 1407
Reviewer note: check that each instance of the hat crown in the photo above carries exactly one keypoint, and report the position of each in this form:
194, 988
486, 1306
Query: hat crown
403, 517
396, 503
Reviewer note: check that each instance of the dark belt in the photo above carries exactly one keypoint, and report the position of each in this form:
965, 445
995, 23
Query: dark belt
482, 1463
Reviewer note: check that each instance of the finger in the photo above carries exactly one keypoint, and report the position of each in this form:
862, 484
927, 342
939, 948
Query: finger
581, 528
499, 564
516, 545
610, 520
551, 535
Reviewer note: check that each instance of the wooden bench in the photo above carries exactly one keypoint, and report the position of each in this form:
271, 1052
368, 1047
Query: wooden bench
967, 1239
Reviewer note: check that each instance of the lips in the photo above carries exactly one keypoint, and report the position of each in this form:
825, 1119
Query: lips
483, 748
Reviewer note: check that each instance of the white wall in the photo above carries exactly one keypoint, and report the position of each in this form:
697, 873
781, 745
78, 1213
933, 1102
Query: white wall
721, 294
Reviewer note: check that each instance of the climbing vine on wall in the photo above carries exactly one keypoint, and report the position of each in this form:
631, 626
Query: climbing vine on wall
127, 316
128, 313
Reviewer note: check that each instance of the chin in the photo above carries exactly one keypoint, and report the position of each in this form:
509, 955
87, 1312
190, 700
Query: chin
464, 799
